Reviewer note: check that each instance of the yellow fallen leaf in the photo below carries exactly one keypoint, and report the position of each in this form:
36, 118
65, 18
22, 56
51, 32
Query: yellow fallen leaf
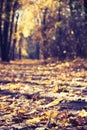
54, 114
47, 113
83, 113
3, 105
55, 89
14, 86
47, 82
51, 114
53, 103
59, 88
12, 105
67, 64
14, 113
28, 78
22, 111
8, 119
33, 121
66, 124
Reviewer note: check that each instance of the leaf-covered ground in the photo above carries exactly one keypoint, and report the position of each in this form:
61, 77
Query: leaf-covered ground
36, 95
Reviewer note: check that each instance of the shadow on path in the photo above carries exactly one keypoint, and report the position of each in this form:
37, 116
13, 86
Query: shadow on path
15, 94
74, 105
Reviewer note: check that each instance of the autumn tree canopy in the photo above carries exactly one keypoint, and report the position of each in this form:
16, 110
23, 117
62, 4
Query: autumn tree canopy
58, 27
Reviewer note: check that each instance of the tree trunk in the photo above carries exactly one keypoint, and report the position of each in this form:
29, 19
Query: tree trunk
6, 25
85, 8
76, 30
12, 30
44, 27
14, 41
5, 46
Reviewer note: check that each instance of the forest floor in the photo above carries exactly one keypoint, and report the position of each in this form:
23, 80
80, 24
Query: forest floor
37, 95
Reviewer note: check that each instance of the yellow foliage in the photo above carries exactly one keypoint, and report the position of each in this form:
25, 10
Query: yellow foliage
57, 24
24, 52
23, 2
83, 113
29, 14
27, 22
48, 3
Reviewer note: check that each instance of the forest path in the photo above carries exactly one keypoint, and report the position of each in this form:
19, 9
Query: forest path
38, 95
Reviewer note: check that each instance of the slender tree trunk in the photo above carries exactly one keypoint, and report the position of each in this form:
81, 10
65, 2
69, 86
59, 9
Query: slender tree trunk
76, 30
59, 32
6, 43
5, 18
14, 41
11, 30
1, 7
85, 9
44, 50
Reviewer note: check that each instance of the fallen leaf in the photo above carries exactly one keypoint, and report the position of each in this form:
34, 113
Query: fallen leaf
55, 89
33, 121
51, 113
67, 64
22, 111
53, 103
82, 113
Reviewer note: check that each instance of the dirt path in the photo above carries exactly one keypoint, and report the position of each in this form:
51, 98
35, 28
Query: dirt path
43, 96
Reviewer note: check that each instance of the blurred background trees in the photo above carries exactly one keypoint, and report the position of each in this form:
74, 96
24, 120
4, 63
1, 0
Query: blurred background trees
41, 29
